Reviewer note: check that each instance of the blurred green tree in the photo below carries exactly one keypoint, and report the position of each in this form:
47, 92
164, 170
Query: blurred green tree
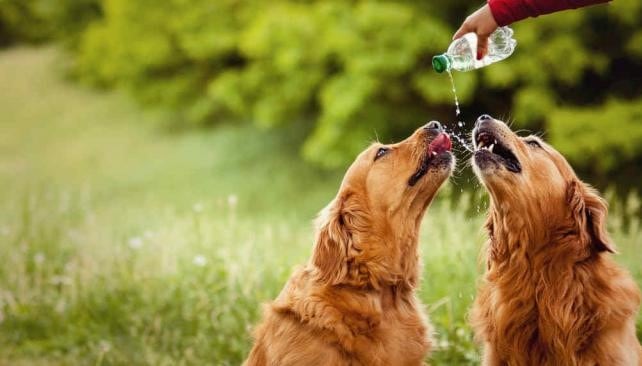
353, 69
36, 21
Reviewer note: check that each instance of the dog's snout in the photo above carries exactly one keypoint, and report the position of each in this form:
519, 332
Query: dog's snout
482, 119
433, 125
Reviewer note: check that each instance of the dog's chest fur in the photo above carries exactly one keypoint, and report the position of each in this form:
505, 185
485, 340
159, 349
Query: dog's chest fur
533, 317
360, 328
401, 338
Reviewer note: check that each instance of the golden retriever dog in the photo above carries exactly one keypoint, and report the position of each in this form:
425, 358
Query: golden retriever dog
551, 294
354, 303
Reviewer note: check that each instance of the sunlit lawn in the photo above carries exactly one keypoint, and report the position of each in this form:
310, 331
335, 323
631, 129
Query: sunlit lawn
125, 242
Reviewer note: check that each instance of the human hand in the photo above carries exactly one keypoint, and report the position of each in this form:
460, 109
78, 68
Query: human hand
482, 23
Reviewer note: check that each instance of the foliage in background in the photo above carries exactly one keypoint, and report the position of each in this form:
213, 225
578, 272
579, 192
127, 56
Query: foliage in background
349, 65
353, 70
36, 21
357, 67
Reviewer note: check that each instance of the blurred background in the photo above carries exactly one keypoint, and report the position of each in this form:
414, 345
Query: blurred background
161, 162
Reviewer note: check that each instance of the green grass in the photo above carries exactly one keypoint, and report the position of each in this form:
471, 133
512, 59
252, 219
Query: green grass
124, 242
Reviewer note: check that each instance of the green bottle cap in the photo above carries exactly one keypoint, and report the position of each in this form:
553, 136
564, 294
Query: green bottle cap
440, 63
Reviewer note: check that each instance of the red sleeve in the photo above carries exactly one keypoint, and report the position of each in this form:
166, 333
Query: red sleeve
509, 11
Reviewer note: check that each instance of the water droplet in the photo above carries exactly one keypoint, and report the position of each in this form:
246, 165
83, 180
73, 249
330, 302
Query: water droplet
463, 142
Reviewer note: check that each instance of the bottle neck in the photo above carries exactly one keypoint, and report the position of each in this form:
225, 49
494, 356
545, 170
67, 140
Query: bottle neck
441, 63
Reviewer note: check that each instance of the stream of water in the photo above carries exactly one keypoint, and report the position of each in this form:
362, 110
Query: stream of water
460, 136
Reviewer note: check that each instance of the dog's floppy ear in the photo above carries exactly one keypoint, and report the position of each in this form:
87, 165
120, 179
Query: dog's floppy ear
336, 247
590, 211
330, 253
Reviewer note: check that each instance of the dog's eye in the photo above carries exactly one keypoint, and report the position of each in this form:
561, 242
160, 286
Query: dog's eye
533, 143
381, 152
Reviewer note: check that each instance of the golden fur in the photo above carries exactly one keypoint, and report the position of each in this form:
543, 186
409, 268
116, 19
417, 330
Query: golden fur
354, 303
551, 294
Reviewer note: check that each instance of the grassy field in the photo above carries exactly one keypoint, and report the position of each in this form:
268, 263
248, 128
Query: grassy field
126, 243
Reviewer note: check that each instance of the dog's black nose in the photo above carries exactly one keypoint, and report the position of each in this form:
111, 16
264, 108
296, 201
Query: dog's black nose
482, 118
433, 125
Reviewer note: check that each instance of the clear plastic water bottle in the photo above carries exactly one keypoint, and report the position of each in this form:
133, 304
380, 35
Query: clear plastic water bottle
461, 54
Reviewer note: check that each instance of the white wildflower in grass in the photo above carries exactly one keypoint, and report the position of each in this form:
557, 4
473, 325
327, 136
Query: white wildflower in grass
198, 207
136, 242
70, 266
148, 234
60, 280
38, 258
61, 306
232, 200
443, 344
199, 260
104, 346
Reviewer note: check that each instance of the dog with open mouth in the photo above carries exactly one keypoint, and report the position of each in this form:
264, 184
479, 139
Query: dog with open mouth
354, 303
551, 294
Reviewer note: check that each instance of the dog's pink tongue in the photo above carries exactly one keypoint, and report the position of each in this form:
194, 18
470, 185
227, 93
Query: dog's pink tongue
440, 144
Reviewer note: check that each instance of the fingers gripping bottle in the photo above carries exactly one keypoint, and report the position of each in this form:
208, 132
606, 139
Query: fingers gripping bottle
461, 53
